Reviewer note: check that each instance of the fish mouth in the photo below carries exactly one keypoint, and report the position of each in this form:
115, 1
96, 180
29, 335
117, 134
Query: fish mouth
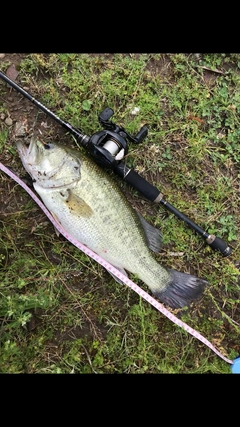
22, 147
35, 162
31, 152
28, 150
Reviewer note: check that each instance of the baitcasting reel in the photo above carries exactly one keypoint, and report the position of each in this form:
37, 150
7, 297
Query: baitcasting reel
109, 146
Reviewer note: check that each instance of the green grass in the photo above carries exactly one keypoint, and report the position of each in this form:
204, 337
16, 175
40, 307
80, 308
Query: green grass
61, 312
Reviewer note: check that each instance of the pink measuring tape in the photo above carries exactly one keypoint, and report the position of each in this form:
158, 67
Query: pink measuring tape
235, 363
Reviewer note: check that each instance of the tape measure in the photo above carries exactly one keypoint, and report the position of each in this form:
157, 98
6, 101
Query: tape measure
235, 364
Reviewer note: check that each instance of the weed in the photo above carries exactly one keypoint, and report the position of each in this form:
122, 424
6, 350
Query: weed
61, 312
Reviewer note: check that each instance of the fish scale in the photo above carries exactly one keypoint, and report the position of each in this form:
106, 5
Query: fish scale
103, 217
90, 206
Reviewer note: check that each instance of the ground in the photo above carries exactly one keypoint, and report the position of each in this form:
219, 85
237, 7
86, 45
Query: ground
19, 110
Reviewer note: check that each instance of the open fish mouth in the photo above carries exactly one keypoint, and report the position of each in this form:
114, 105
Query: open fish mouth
23, 147
28, 150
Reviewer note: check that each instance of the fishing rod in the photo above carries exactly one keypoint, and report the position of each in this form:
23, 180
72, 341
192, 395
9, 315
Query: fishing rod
108, 147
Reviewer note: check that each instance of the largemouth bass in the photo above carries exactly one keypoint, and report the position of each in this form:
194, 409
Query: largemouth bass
90, 206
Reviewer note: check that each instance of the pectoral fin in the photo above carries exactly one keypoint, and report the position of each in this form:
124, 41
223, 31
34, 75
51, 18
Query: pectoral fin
57, 220
75, 204
116, 278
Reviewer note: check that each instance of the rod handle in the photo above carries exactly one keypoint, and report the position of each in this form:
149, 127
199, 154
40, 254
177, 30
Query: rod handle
136, 181
219, 245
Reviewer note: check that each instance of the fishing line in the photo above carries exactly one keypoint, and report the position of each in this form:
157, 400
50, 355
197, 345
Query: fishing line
235, 364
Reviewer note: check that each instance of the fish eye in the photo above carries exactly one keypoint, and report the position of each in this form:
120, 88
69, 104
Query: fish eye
48, 146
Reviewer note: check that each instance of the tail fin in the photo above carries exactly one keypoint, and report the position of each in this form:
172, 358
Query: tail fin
181, 290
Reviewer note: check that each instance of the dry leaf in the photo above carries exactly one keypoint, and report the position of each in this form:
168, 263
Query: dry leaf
12, 73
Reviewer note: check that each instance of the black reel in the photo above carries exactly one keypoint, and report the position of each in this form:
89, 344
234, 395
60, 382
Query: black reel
110, 145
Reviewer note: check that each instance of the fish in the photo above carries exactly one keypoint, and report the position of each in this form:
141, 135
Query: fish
89, 204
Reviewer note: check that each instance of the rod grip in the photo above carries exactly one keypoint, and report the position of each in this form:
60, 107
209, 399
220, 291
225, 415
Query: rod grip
137, 182
218, 244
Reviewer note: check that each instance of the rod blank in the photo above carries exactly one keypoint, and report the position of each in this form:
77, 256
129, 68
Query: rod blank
130, 176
